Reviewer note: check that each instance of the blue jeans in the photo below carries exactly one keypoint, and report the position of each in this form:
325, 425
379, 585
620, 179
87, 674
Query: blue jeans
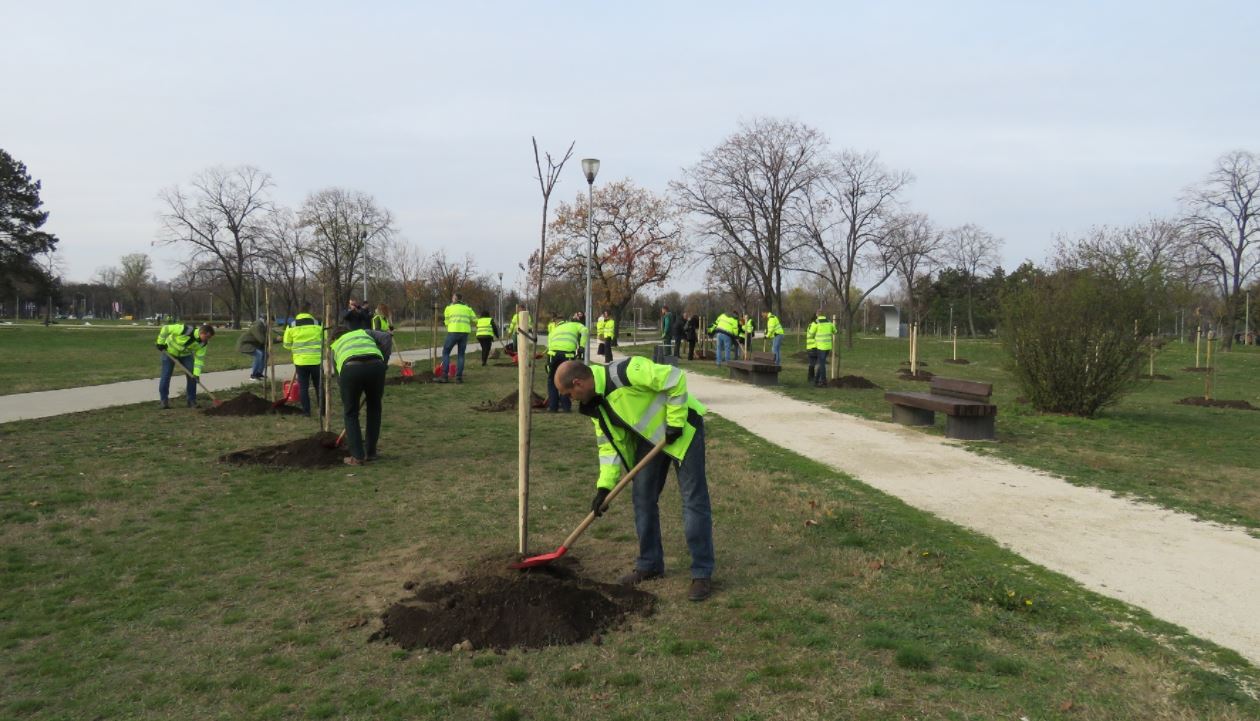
454, 340
260, 362
697, 514
168, 369
776, 345
821, 377
723, 348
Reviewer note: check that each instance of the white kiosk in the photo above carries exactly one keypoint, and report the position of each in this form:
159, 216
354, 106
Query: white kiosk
893, 327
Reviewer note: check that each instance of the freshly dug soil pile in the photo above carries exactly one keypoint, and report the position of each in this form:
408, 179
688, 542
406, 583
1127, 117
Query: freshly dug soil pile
408, 380
958, 361
248, 404
498, 607
905, 375
1192, 369
508, 403
1214, 403
1156, 377
310, 452
907, 363
852, 382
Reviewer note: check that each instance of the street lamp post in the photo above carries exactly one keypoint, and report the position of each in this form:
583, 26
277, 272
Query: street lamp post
363, 238
590, 167
498, 310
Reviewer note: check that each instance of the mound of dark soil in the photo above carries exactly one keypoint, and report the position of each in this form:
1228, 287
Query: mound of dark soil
905, 375
248, 404
497, 607
310, 452
907, 363
1214, 403
852, 382
958, 361
508, 403
1192, 369
408, 380
1156, 377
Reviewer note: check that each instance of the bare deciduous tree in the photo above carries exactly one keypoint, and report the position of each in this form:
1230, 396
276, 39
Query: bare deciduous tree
342, 222
283, 242
745, 191
546, 183
448, 276
134, 278
919, 246
219, 217
851, 223
1223, 223
637, 242
972, 249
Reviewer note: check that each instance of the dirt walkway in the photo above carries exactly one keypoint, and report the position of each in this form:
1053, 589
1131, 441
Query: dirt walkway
1199, 575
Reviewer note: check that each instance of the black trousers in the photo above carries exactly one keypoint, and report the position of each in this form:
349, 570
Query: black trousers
813, 361
367, 381
555, 401
309, 376
691, 349
485, 342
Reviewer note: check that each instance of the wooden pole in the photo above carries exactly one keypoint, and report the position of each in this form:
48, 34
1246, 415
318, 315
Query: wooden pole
271, 362
955, 342
1198, 333
834, 365
325, 383
1151, 372
524, 361
1207, 377
433, 340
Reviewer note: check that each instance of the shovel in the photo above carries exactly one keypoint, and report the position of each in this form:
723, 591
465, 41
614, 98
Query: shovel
185, 371
546, 558
287, 395
341, 438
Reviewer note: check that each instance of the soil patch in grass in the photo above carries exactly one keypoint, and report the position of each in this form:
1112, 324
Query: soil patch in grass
921, 364
248, 404
317, 451
1156, 377
905, 375
1215, 403
1194, 369
497, 607
958, 361
508, 403
409, 380
851, 382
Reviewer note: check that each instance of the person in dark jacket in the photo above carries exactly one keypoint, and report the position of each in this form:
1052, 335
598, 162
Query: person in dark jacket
691, 332
253, 341
358, 316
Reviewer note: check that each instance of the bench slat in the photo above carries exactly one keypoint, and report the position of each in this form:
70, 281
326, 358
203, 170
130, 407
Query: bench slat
943, 404
956, 387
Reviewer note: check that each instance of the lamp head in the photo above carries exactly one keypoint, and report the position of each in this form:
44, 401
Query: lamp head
590, 168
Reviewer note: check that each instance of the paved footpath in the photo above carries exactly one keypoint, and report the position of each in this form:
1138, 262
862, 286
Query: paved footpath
1199, 575
42, 404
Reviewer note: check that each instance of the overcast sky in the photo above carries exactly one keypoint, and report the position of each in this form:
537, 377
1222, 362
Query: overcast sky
1028, 118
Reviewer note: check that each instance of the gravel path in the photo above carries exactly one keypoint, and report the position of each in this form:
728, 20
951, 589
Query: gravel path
1200, 575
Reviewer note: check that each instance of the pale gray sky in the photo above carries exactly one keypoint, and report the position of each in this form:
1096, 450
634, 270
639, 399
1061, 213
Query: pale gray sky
1028, 118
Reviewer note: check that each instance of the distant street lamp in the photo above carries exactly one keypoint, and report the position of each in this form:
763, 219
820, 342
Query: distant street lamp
498, 311
590, 168
363, 238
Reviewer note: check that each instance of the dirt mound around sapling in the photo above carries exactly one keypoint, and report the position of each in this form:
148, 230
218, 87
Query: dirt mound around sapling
905, 375
958, 361
317, 451
851, 382
508, 403
497, 607
921, 364
248, 404
1193, 369
1156, 377
416, 378
1214, 403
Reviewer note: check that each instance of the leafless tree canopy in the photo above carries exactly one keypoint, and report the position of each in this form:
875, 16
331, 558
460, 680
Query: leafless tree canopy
638, 242
850, 221
134, 278
745, 191
342, 224
547, 178
920, 247
284, 241
448, 276
1223, 226
972, 250
219, 217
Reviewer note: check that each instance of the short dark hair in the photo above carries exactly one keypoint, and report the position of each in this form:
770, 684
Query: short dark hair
305, 307
207, 328
338, 332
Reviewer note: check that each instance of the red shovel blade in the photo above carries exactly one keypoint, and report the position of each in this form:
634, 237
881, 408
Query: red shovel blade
542, 560
407, 372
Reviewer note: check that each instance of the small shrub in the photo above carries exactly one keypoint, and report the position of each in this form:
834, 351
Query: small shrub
1071, 337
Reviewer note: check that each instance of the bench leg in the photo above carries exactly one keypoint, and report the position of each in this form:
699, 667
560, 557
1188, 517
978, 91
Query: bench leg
970, 428
908, 416
738, 374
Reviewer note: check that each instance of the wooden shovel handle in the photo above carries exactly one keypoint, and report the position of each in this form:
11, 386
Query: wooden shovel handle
186, 372
629, 476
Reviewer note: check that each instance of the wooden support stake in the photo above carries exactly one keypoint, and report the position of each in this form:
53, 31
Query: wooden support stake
271, 362
955, 342
325, 383
433, 341
524, 404
1151, 372
833, 366
1198, 334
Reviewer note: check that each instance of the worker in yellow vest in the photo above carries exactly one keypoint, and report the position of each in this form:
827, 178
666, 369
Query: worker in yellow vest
635, 404
774, 331
487, 331
305, 341
724, 329
748, 329
562, 345
459, 320
383, 320
607, 336
185, 344
820, 332
360, 358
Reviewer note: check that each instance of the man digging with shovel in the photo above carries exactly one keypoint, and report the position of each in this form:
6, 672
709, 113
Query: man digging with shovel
184, 344
635, 404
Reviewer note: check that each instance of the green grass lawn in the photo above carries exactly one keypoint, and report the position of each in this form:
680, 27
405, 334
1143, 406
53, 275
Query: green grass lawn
35, 358
144, 580
1201, 460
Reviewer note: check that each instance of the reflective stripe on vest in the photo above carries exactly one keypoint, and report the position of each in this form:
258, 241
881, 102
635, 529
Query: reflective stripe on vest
564, 338
485, 327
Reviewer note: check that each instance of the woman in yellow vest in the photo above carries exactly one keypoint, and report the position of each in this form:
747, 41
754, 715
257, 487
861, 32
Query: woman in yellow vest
487, 331
383, 320
305, 340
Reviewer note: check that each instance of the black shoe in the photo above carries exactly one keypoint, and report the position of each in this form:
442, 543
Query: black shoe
165, 405
638, 576
442, 379
701, 588
459, 379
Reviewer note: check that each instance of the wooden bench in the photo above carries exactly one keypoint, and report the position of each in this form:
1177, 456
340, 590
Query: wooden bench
969, 414
759, 370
